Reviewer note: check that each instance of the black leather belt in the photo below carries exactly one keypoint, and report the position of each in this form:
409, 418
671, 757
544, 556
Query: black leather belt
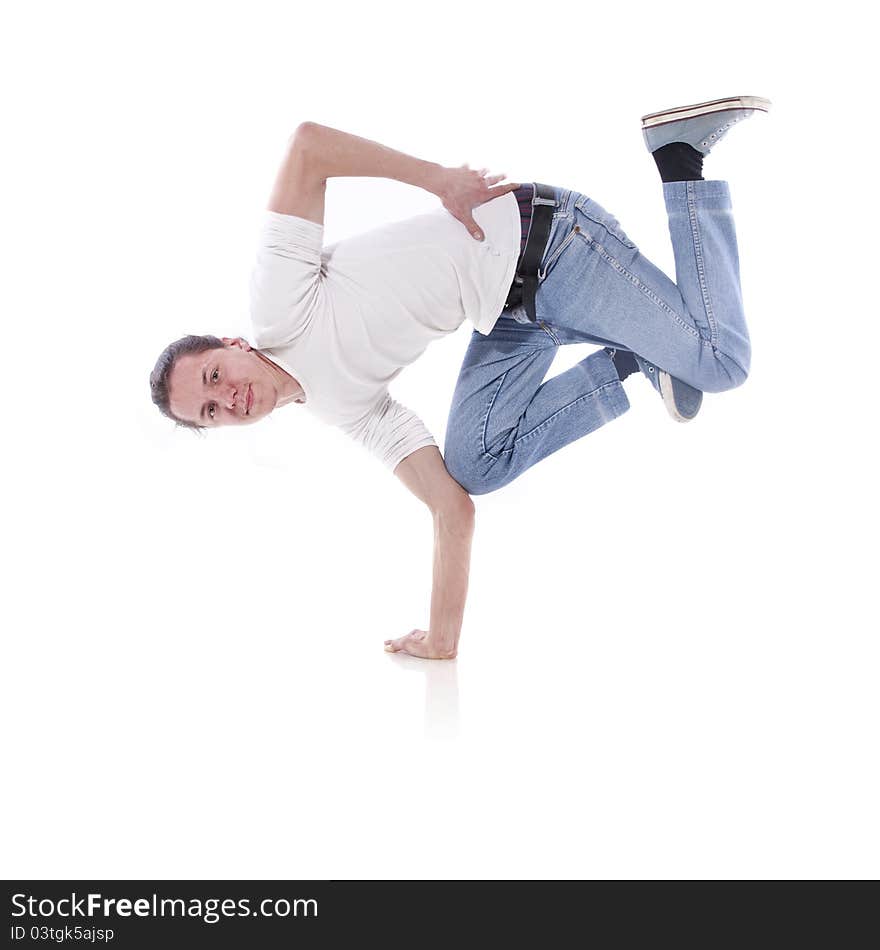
525, 283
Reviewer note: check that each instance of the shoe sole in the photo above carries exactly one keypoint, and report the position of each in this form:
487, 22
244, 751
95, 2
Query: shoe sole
669, 399
704, 108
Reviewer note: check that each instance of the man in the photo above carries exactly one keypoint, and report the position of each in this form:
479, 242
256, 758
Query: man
532, 266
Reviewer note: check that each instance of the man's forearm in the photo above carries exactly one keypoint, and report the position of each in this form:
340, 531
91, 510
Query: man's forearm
453, 513
337, 154
452, 557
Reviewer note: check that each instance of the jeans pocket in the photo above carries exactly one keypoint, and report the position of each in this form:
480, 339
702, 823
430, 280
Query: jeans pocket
596, 214
552, 254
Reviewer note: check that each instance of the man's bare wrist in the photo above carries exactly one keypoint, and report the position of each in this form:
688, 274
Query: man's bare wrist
433, 178
446, 645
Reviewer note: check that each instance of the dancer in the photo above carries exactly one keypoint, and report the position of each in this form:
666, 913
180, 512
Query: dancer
532, 266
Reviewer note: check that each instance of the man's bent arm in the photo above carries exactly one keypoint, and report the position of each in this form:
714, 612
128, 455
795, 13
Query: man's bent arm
425, 475
339, 154
317, 152
330, 153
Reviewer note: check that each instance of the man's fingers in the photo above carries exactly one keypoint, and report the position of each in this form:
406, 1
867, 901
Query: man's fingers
468, 221
472, 226
395, 646
416, 643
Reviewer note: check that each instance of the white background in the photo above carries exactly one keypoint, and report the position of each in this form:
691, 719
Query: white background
669, 660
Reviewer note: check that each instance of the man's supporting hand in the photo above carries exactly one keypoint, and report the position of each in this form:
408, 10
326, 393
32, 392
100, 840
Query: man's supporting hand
420, 643
425, 475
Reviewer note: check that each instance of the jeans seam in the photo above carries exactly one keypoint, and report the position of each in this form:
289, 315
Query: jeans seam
489, 408
549, 331
698, 254
603, 252
543, 425
542, 270
618, 235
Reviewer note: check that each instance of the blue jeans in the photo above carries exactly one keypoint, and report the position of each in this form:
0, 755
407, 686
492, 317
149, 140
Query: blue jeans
595, 287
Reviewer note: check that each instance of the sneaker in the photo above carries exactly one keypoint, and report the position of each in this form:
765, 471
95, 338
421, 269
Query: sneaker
681, 400
703, 125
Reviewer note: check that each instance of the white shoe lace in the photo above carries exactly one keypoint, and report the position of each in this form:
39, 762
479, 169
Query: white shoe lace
719, 132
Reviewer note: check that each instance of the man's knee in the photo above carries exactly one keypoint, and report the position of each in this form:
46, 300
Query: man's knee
455, 459
730, 375
463, 470
468, 467
477, 484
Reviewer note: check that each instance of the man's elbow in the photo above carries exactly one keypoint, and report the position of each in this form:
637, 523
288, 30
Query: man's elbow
456, 513
302, 142
304, 131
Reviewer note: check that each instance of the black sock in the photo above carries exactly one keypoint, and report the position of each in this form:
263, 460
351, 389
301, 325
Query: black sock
679, 161
624, 362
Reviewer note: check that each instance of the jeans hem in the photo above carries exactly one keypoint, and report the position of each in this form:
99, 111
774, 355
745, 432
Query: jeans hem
678, 193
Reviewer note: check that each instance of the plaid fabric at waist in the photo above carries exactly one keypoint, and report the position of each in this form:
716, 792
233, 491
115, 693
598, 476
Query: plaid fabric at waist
520, 302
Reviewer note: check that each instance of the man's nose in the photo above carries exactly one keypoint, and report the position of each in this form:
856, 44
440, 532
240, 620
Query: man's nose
231, 397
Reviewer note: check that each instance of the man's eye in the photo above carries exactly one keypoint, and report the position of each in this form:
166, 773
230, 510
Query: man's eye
211, 410
215, 376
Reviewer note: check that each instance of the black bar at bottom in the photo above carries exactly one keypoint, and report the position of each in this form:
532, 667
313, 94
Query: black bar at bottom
195, 914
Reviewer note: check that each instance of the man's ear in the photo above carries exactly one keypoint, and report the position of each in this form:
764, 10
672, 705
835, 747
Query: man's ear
236, 341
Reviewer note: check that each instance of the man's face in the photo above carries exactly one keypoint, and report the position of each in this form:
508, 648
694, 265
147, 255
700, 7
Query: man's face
230, 385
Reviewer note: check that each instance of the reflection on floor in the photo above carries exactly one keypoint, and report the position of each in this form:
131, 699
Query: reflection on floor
442, 714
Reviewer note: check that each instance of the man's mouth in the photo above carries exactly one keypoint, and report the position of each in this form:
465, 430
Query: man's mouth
249, 400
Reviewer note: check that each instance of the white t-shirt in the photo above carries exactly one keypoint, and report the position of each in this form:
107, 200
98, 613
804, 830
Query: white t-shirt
346, 319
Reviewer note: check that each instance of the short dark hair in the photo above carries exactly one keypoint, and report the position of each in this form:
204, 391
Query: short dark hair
164, 365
